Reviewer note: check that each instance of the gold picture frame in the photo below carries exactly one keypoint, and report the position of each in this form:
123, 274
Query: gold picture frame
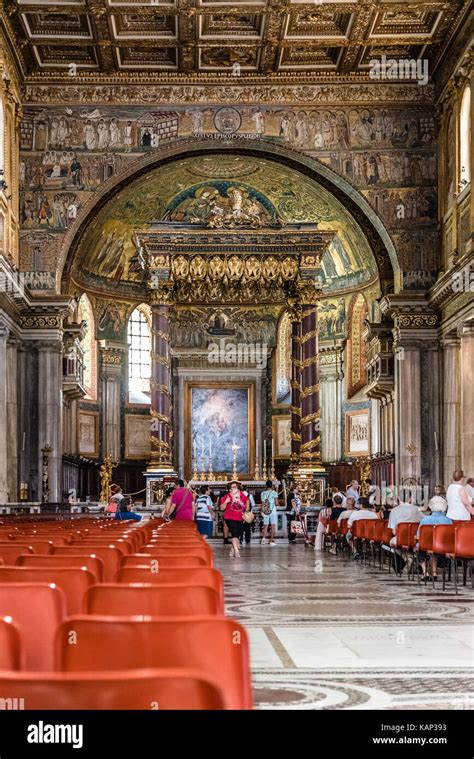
357, 433
247, 385
281, 435
88, 433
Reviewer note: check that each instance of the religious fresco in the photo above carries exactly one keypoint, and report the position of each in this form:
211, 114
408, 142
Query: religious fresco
332, 319
68, 152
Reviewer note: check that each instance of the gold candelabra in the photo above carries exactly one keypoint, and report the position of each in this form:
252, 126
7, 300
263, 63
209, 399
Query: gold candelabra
211, 473
235, 448
105, 474
195, 471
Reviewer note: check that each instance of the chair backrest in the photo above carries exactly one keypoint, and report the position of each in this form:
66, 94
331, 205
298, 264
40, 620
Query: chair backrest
10, 553
406, 534
125, 546
370, 526
10, 645
92, 563
343, 528
443, 538
197, 575
464, 541
164, 562
73, 581
144, 690
425, 540
155, 600
216, 645
110, 555
40, 545
379, 527
36, 609
358, 528
200, 553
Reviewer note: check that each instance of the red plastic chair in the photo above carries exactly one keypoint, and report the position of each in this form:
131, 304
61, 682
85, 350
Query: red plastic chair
36, 609
10, 645
12, 551
119, 643
73, 581
200, 553
463, 550
92, 563
197, 575
137, 690
164, 562
160, 600
110, 555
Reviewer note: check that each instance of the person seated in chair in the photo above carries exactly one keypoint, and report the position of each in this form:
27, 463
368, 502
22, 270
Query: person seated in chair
437, 506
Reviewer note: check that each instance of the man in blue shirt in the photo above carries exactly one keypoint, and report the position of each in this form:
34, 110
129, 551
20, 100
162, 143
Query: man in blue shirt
437, 506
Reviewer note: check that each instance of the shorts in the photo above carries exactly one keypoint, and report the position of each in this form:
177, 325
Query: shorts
205, 527
236, 527
270, 519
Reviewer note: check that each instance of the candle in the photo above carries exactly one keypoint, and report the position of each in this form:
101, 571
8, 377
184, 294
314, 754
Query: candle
256, 450
210, 448
195, 456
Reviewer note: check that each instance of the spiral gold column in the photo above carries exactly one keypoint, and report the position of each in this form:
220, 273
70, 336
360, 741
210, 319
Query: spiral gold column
295, 316
310, 451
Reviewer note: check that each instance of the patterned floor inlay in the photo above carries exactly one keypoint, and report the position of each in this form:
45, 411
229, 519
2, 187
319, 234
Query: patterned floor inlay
327, 633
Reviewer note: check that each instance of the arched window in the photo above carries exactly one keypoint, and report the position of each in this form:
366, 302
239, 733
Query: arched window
90, 348
139, 355
282, 389
465, 139
356, 346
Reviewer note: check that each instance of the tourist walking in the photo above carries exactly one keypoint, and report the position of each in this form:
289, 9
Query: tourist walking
269, 499
234, 504
204, 512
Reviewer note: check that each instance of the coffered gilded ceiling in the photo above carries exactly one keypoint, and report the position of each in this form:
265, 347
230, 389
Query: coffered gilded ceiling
234, 36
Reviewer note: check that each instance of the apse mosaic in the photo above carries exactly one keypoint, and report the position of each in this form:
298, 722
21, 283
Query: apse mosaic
272, 194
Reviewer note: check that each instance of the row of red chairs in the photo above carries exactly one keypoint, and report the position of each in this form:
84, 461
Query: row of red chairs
144, 600
454, 542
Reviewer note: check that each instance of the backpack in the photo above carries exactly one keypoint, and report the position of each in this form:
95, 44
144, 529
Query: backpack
266, 507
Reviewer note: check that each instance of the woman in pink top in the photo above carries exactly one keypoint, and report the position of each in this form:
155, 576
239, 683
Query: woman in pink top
182, 503
234, 503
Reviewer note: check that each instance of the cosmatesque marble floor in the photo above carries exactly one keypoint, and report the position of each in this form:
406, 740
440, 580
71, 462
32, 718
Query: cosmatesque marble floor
327, 633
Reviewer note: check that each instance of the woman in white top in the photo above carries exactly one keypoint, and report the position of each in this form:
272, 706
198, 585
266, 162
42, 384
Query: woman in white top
459, 505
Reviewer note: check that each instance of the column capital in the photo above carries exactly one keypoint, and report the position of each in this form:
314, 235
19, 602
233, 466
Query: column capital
466, 329
451, 340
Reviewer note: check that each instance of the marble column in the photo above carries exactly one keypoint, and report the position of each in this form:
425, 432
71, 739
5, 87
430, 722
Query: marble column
4, 333
50, 406
467, 397
12, 418
161, 428
451, 442
310, 452
408, 412
331, 378
295, 408
28, 418
111, 377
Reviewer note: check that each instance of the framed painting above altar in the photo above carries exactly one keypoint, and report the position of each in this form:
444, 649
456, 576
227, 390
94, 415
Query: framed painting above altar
219, 414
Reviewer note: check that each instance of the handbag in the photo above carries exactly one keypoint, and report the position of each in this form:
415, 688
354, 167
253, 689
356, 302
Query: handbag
111, 507
296, 527
248, 517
